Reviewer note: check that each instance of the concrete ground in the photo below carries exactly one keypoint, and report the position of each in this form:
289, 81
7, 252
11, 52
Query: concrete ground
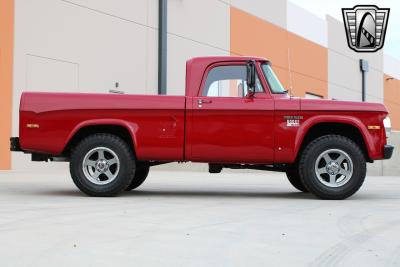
195, 219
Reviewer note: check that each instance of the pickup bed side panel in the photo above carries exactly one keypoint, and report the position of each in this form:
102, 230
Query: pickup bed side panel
156, 123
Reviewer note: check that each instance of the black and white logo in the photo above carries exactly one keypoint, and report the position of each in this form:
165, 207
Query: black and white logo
365, 27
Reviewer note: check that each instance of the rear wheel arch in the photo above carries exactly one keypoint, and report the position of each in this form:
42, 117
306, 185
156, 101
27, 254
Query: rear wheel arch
82, 131
346, 129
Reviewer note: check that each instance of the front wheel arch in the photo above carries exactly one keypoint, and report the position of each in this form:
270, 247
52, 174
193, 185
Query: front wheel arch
333, 128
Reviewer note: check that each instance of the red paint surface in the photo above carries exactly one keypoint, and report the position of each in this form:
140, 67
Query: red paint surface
175, 128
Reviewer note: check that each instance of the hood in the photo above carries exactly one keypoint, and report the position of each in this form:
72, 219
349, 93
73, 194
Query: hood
335, 105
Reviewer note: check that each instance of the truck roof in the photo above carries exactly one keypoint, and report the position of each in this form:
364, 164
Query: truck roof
196, 67
212, 59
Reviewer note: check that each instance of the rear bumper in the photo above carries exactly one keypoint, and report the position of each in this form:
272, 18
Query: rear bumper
388, 151
15, 147
14, 144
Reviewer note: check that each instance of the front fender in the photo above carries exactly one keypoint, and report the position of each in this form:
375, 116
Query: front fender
343, 119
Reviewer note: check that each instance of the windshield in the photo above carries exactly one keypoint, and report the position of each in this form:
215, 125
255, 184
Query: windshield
273, 81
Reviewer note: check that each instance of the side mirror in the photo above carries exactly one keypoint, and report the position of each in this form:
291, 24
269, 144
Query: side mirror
251, 77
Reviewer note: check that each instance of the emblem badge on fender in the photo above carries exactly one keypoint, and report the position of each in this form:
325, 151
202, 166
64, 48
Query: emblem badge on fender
293, 121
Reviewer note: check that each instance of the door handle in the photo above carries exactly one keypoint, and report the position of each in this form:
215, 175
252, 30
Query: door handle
200, 102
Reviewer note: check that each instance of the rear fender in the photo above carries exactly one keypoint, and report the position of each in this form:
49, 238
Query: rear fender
131, 127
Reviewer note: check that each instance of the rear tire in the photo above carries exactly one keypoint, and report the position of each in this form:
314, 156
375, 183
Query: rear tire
294, 179
102, 165
332, 167
142, 171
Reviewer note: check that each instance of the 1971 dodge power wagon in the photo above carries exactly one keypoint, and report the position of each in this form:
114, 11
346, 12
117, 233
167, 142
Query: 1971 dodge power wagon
235, 114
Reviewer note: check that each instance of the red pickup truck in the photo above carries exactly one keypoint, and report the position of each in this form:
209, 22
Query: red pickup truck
235, 114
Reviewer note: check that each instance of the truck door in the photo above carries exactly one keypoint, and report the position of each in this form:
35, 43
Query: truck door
227, 125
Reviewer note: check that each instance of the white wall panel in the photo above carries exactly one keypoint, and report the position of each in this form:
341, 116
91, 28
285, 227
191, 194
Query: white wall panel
51, 75
344, 75
374, 88
152, 13
337, 41
140, 11
151, 63
205, 21
343, 93
196, 28
83, 46
106, 48
345, 80
306, 24
272, 11
391, 66
179, 51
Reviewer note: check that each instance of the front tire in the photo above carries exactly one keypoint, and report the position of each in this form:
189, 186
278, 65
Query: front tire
332, 167
102, 165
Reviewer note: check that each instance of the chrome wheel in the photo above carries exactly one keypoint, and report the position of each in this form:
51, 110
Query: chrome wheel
334, 168
101, 165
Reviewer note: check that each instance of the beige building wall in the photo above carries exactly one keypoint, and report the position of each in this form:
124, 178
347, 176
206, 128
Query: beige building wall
83, 46
195, 28
89, 45
344, 75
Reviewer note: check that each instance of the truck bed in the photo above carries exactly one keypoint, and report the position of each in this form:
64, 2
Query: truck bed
156, 123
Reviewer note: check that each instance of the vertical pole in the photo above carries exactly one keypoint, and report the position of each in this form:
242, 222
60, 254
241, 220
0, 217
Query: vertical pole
363, 87
364, 70
162, 47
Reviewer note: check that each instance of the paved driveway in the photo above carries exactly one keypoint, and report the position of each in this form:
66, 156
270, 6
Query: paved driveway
196, 219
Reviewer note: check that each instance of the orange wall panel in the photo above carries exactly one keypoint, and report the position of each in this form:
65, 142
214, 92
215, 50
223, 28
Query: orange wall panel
309, 66
252, 36
303, 84
308, 61
6, 77
307, 57
391, 93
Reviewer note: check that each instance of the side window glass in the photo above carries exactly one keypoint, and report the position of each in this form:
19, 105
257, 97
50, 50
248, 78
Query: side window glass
228, 81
